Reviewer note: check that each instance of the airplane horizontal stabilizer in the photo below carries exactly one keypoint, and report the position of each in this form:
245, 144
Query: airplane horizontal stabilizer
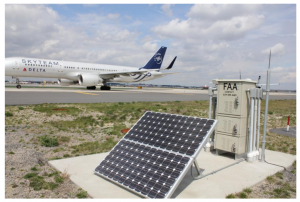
172, 63
123, 73
170, 73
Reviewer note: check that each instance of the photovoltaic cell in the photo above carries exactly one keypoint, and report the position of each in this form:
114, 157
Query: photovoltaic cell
180, 134
150, 171
155, 154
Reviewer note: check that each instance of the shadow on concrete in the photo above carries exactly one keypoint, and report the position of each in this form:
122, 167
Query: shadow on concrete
188, 179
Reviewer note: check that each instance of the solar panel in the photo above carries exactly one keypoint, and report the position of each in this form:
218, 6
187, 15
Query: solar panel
154, 156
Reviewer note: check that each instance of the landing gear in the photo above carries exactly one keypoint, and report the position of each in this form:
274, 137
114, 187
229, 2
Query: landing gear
105, 88
18, 83
91, 87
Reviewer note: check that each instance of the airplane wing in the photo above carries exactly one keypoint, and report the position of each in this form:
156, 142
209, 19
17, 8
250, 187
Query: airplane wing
110, 75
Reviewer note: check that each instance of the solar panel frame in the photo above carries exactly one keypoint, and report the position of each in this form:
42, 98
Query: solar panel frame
186, 168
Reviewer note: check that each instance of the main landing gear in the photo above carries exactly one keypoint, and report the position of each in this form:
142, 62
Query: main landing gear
105, 88
91, 87
94, 87
18, 83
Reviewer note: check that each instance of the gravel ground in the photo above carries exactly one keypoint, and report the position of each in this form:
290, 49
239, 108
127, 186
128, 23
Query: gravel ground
19, 161
280, 185
278, 181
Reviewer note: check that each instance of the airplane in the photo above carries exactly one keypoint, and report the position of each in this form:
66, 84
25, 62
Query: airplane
85, 74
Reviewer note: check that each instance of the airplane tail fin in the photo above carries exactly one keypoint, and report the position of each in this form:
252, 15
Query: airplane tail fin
156, 61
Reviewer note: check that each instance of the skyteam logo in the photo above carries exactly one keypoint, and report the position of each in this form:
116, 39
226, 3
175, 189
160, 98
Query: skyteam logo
158, 58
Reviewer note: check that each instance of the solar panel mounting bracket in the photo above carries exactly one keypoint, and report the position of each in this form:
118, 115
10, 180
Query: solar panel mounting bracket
198, 169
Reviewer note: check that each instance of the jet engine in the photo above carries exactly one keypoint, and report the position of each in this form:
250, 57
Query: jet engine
66, 82
89, 79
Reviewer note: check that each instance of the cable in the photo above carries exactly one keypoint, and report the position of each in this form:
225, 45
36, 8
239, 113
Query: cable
274, 164
269, 162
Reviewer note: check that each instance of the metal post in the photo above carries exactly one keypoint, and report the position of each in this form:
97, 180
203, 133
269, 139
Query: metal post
266, 116
210, 94
258, 124
254, 126
214, 103
249, 155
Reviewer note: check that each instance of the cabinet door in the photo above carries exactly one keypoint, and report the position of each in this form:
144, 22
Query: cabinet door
229, 98
234, 126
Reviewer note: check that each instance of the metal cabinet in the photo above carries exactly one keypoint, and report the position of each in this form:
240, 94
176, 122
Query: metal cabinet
233, 107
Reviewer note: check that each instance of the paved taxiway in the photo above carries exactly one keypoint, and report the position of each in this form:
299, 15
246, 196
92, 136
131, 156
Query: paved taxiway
53, 94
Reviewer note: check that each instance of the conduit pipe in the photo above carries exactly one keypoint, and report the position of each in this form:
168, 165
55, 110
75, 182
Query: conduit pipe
253, 145
254, 128
258, 121
250, 154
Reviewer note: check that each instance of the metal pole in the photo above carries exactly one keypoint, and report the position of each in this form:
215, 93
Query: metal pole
258, 124
251, 126
266, 112
254, 124
210, 93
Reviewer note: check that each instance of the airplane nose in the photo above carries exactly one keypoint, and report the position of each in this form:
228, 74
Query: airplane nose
8, 64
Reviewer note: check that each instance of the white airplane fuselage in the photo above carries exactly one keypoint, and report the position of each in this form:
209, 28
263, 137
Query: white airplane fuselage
44, 68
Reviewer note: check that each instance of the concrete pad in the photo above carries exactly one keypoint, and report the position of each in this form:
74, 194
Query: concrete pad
218, 185
282, 131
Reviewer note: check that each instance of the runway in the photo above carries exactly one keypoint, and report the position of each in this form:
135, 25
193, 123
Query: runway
52, 94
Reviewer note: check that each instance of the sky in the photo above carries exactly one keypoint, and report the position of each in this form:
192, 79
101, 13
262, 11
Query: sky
210, 40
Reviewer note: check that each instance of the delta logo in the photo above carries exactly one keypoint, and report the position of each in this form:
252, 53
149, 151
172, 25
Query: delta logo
34, 70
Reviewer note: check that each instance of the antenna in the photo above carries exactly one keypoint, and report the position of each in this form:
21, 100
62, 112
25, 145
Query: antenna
266, 111
269, 59
240, 74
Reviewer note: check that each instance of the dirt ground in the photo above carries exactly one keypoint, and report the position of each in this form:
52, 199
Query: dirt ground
26, 159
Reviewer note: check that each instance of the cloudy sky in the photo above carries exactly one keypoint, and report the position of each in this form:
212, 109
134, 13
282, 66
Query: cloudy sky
211, 41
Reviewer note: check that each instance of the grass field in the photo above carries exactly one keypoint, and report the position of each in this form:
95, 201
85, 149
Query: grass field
56, 131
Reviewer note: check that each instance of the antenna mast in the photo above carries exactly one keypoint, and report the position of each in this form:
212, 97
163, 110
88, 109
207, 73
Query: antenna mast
266, 111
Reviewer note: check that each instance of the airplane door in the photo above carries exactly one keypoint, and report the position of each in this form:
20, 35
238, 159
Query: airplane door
61, 68
16, 65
